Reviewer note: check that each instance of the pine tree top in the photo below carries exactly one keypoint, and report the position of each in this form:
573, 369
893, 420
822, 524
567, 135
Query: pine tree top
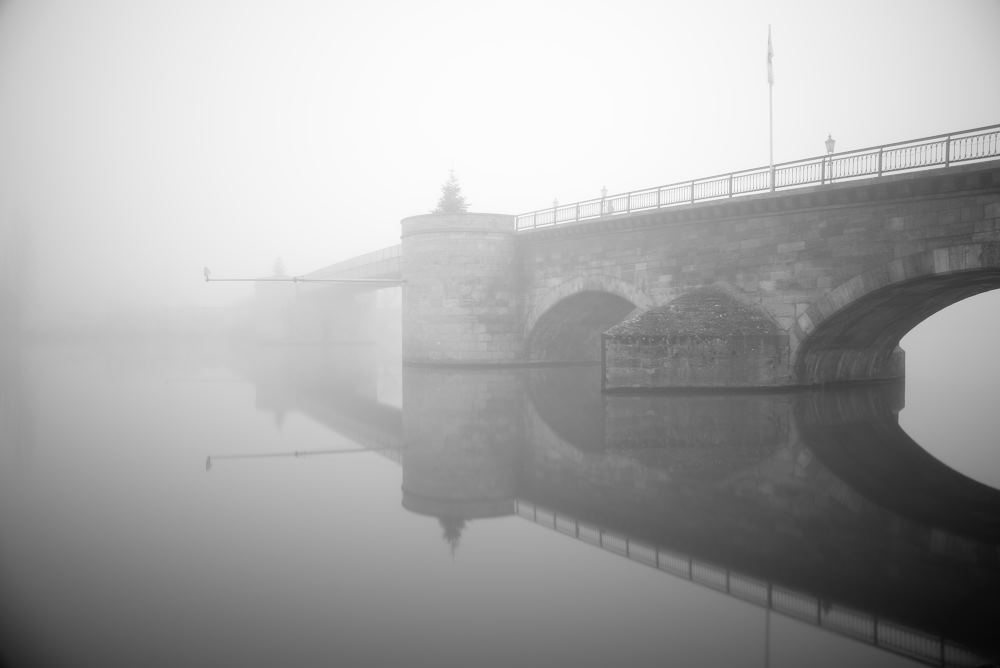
452, 200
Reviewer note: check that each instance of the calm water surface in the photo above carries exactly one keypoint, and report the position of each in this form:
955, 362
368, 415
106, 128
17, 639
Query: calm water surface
171, 506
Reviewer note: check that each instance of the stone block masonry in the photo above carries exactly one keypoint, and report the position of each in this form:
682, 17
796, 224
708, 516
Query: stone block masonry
704, 339
461, 292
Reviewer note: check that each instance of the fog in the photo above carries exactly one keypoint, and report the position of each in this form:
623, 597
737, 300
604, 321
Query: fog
145, 140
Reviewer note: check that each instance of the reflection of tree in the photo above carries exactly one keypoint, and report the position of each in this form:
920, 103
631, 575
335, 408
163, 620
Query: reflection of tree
452, 531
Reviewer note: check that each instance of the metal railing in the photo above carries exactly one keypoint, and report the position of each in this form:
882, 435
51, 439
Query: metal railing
912, 155
844, 621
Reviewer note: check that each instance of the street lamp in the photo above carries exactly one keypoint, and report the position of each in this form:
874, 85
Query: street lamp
830, 143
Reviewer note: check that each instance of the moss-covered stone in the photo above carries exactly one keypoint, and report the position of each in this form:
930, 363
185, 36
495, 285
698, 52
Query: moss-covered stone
705, 338
701, 313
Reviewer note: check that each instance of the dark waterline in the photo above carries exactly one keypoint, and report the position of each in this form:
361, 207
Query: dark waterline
167, 505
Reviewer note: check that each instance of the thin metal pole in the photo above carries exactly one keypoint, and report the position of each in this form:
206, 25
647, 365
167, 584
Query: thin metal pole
770, 121
770, 105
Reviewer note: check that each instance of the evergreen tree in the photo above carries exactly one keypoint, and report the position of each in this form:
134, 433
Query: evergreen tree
452, 200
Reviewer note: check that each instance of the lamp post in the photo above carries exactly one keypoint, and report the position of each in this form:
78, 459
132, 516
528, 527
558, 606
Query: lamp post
830, 143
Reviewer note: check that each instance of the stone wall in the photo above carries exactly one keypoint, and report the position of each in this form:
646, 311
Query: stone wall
694, 362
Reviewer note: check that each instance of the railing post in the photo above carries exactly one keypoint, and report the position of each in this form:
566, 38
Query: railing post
578, 212
822, 172
880, 149
657, 198
730, 184
534, 219
628, 202
947, 151
692, 192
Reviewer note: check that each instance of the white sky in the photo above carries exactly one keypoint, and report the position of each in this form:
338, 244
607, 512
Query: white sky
143, 139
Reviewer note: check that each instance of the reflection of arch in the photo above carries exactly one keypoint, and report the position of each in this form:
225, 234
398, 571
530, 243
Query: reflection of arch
852, 332
935, 510
569, 400
597, 283
855, 432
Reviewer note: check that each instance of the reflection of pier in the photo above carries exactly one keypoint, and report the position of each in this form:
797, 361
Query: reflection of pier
772, 498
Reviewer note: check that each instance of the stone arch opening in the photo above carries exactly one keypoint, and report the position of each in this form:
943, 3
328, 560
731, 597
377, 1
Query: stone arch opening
860, 341
570, 331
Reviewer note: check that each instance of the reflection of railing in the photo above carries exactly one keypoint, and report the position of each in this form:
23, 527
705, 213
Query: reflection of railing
866, 627
916, 154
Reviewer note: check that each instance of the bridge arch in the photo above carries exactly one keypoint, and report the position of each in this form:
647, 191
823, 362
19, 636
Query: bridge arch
566, 323
853, 331
593, 283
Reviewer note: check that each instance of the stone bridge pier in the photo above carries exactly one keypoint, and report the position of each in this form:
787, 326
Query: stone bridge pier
461, 290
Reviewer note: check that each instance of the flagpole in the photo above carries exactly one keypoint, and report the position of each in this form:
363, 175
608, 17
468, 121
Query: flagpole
770, 123
770, 105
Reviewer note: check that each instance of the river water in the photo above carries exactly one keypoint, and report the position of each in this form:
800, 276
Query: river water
215, 505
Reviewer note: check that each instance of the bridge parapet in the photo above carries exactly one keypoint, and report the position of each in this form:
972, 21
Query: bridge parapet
943, 150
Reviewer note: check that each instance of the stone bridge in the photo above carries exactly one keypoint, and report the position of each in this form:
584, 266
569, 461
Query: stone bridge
728, 285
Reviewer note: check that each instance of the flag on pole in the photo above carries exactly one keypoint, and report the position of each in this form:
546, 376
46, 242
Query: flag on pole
770, 58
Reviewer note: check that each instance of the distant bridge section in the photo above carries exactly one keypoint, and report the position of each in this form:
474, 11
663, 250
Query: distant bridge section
333, 304
383, 264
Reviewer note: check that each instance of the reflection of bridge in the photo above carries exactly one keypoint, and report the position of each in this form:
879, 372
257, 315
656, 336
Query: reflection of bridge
833, 275
842, 620
753, 495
